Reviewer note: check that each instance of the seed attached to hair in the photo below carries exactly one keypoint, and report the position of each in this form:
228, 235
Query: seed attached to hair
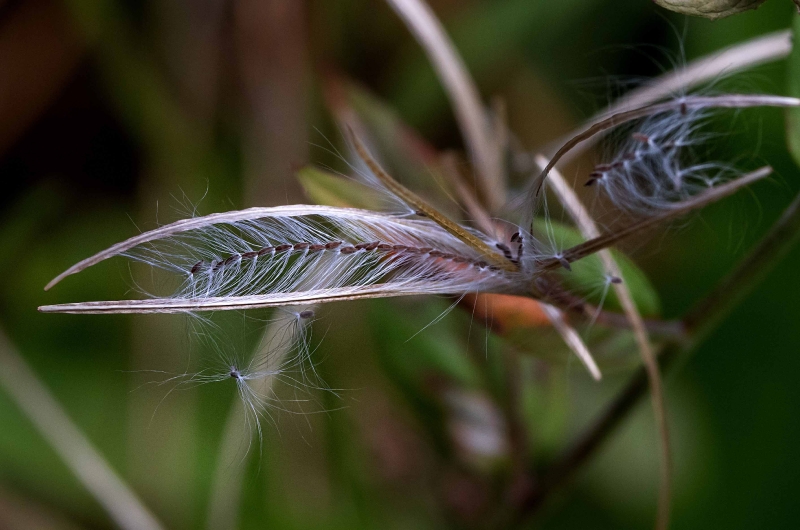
316, 248
249, 255
196, 267
505, 250
641, 137
266, 250
301, 246
308, 313
334, 244
231, 259
348, 250
282, 248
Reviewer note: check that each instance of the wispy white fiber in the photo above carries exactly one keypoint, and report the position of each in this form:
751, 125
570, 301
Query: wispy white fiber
302, 254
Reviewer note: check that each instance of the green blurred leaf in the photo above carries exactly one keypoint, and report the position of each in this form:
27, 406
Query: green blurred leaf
588, 275
793, 115
327, 189
414, 355
712, 9
545, 406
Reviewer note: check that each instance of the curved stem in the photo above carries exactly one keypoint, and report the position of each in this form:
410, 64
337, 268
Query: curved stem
701, 321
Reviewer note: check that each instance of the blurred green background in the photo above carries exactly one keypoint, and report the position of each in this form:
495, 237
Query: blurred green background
116, 116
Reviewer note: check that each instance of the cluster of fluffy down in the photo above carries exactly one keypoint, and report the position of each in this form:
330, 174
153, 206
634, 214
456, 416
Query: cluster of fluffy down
655, 165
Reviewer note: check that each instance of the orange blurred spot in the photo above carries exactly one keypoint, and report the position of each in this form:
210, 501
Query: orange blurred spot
504, 313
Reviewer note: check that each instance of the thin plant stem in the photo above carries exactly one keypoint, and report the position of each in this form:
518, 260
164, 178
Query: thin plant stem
419, 205
81, 457
463, 95
589, 230
451, 171
701, 321
697, 202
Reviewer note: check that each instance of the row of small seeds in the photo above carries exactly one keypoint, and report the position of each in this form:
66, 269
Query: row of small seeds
337, 245
601, 170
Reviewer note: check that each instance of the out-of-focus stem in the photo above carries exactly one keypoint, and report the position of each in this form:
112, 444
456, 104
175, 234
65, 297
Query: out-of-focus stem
226, 490
588, 228
273, 64
701, 321
77, 452
463, 95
